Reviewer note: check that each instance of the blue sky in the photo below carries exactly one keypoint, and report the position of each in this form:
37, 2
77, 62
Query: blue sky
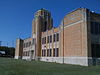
16, 15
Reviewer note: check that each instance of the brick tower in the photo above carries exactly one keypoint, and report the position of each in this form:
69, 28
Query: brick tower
41, 23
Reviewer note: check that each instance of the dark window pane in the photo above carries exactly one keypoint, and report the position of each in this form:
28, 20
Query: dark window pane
44, 40
54, 38
92, 27
33, 42
57, 36
50, 52
99, 28
47, 52
54, 52
57, 52
50, 38
44, 52
95, 28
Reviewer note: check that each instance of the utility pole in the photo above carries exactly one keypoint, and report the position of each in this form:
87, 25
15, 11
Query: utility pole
7, 44
12, 43
63, 40
0, 43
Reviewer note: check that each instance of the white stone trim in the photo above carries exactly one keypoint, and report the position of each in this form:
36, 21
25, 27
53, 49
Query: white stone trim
96, 61
85, 61
26, 57
17, 57
68, 25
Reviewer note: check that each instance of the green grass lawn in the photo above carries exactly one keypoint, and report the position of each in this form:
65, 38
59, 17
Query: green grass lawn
22, 67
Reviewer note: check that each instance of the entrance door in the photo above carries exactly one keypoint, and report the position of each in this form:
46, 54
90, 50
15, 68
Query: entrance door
32, 54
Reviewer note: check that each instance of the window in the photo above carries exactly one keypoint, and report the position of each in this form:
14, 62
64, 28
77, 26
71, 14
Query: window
50, 38
95, 28
54, 37
24, 45
28, 53
57, 36
50, 54
29, 43
23, 53
92, 27
44, 40
54, 52
41, 12
95, 50
57, 52
99, 28
43, 52
47, 52
33, 42
45, 26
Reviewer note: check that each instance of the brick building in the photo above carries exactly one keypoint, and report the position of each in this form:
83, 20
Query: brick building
75, 41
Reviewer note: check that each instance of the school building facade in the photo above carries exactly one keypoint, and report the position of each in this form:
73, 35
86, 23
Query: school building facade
75, 41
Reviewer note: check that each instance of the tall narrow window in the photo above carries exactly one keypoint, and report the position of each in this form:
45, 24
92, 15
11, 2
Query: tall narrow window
24, 45
54, 52
92, 27
33, 42
45, 28
28, 53
57, 36
42, 52
50, 52
50, 38
44, 40
47, 52
29, 43
57, 52
54, 37
99, 28
95, 28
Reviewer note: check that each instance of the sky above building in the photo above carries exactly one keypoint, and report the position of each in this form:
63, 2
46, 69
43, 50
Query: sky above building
16, 15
